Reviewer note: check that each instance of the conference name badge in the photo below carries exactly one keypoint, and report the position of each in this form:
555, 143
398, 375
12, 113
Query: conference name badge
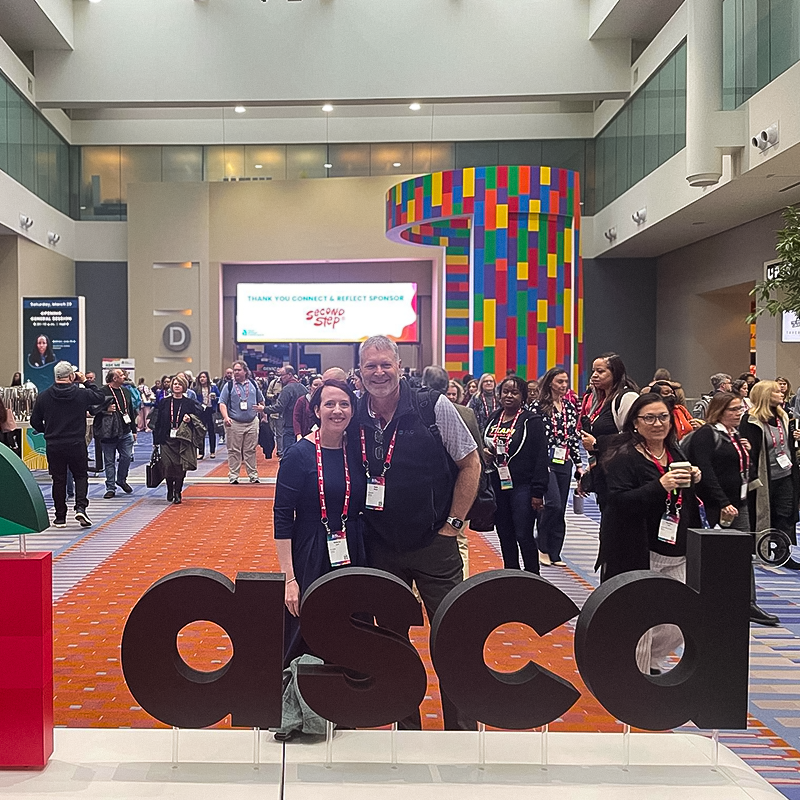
243, 405
668, 529
784, 462
559, 455
376, 491
505, 477
338, 553
126, 419
173, 433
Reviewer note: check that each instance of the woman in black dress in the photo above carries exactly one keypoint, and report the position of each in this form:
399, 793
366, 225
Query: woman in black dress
172, 411
723, 457
517, 445
313, 524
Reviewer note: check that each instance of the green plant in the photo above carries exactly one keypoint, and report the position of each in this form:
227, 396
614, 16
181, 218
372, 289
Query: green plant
780, 291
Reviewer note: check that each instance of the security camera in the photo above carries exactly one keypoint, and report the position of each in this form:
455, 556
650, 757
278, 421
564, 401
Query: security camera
640, 216
25, 221
53, 238
767, 138
610, 234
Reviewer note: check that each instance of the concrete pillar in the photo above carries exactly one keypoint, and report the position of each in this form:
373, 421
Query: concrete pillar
703, 91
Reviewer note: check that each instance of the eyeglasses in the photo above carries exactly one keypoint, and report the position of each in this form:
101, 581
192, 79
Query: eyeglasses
735, 409
651, 419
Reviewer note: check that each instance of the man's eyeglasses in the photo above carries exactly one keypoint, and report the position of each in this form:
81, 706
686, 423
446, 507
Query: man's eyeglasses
651, 419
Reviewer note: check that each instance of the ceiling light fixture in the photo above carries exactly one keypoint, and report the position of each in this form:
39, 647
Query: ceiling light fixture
258, 166
327, 165
94, 1
327, 108
240, 109
415, 107
397, 164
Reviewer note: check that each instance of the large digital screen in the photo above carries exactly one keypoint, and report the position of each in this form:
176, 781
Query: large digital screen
332, 312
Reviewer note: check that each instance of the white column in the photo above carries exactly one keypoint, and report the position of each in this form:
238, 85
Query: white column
703, 91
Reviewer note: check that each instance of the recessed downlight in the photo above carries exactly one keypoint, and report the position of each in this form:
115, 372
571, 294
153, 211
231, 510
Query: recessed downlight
258, 166
327, 108
328, 166
240, 109
397, 164
415, 107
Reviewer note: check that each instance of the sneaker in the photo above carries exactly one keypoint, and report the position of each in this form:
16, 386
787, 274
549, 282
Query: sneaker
109, 494
559, 563
213, 455
59, 522
200, 458
254, 480
83, 519
125, 487
544, 559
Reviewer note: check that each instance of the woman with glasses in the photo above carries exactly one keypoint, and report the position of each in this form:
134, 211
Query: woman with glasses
723, 457
649, 509
773, 463
484, 402
560, 418
517, 445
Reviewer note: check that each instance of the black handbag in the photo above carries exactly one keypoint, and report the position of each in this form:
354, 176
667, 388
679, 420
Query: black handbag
481, 515
155, 469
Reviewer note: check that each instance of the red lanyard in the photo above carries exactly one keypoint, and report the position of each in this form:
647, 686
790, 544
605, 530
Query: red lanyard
175, 420
506, 439
321, 483
661, 470
744, 456
486, 406
565, 439
780, 435
387, 463
239, 391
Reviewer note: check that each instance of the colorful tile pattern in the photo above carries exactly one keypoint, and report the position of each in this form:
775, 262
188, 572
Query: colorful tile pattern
513, 274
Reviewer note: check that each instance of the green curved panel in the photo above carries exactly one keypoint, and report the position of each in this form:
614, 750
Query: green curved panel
22, 508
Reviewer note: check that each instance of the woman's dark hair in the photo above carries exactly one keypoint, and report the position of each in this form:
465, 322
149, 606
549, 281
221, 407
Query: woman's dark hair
522, 386
718, 405
736, 387
316, 398
17, 379
546, 388
629, 438
3, 410
622, 383
36, 357
208, 379
751, 379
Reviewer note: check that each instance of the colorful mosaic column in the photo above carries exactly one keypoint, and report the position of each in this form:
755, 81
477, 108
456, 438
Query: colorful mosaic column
513, 285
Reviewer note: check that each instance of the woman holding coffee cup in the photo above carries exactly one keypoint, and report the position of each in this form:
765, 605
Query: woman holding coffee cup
774, 475
650, 504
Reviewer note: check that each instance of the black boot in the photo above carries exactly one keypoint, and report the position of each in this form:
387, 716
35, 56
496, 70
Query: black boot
170, 489
178, 489
761, 617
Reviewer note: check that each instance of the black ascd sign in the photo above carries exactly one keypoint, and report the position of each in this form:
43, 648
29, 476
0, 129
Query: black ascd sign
373, 676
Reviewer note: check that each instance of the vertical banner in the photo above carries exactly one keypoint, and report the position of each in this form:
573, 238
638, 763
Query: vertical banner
52, 331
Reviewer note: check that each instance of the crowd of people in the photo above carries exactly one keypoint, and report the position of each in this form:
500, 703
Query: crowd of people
384, 468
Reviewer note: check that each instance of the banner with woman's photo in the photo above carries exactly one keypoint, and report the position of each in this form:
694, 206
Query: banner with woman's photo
52, 331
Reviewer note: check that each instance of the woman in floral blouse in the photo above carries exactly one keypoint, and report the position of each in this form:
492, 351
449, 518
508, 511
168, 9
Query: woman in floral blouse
560, 418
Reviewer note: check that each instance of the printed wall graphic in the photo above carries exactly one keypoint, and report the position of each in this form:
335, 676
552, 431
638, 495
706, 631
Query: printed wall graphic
52, 331
513, 283
325, 312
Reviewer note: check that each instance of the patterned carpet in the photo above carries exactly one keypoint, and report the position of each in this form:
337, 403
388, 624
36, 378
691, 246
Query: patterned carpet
100, 574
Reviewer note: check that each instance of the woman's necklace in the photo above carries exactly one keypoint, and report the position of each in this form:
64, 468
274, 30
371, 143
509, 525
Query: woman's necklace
653, 455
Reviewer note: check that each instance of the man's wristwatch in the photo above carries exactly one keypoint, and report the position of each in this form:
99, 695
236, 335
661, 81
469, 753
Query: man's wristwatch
455, 522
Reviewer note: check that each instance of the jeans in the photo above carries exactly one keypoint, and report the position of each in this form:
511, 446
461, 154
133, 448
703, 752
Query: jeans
514, 521
124, 447
552, 525
60, 458
208, 420
436, 569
